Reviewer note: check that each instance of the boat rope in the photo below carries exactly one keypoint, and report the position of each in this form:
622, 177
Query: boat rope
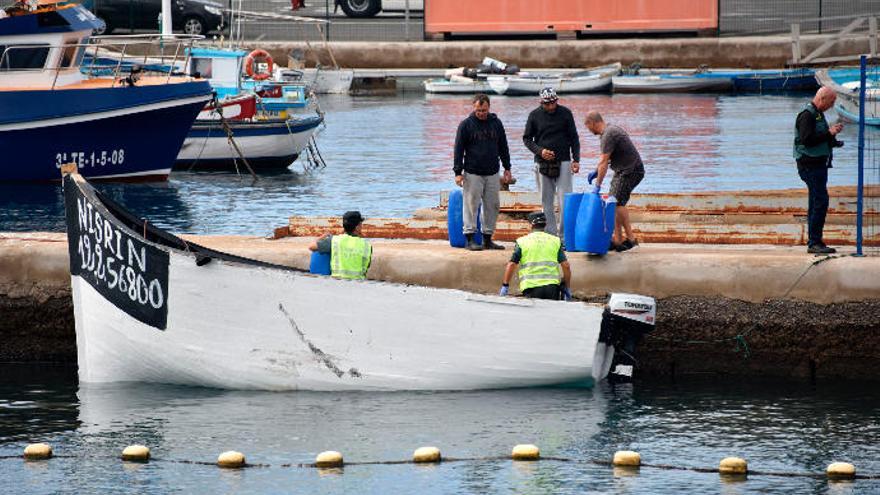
559, 459
809, 267
225, 124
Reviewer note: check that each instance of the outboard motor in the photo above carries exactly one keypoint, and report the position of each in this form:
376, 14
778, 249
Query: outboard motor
627, 318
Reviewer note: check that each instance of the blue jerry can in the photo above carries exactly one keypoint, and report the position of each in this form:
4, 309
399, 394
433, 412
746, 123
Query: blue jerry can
569, 219
320, 263
595, 224
455, 221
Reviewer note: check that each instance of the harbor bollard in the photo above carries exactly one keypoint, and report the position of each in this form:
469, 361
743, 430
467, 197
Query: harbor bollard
37, 451
426, 454
136, 453
841, 471
627, 458
330, 458
526, 452
733, 465
231, 459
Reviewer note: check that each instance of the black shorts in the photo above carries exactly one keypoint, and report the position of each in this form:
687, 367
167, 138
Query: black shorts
622, 185
544, 292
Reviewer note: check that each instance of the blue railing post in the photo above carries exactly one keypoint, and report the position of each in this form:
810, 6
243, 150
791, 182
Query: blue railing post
863, 71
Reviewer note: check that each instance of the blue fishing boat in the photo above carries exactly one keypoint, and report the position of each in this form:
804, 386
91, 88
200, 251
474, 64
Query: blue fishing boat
847, 84
126, 125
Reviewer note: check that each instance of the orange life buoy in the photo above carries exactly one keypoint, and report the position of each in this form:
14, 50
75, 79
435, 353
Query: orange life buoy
250, 62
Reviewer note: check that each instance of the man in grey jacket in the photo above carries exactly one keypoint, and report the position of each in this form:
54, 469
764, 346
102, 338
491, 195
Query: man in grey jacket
552, 136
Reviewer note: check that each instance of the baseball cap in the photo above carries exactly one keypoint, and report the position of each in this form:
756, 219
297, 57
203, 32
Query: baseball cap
537, 218
548, 95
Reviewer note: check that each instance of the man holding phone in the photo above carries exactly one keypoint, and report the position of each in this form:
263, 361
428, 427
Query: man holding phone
814, 141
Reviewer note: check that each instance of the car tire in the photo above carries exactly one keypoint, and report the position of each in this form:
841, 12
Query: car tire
361, 8
194, 25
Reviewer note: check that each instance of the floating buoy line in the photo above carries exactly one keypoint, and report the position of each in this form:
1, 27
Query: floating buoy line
628, 461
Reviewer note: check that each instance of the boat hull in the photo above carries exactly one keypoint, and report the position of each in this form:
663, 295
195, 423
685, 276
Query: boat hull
846, 84
667, 84
150, 307
329, 81
519, 86
126, 135
268, 145
443, 86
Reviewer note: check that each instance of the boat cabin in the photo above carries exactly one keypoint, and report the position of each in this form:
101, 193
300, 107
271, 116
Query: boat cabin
42, 43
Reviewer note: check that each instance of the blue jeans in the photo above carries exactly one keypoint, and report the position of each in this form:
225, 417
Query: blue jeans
816, 179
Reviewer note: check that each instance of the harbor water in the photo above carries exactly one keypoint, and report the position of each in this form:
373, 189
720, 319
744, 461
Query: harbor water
388, 156
784, 428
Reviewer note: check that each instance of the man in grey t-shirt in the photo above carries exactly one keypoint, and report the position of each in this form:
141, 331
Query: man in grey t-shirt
618, 152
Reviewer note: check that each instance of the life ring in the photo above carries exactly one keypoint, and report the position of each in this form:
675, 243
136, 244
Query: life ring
250, 62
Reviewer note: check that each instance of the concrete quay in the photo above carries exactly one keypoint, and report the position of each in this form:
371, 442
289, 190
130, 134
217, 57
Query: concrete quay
758, 52
755, 311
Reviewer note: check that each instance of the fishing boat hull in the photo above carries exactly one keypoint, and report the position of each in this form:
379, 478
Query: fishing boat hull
329, 81
267, 145
188, 315
445, 86
590, 81
846, 84
102, 130
671, 83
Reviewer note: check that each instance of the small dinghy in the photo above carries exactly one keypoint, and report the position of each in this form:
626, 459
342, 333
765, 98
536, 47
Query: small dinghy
702, 80
151, 307
846, 82
592, 80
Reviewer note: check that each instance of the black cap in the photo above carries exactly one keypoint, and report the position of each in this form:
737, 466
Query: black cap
351, 219
537, 218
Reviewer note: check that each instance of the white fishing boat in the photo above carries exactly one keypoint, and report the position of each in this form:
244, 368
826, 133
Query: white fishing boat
846, 83
672, 81
150, 307
594, 80
457, 85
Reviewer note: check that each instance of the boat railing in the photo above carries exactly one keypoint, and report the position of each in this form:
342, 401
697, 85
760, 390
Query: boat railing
111, 56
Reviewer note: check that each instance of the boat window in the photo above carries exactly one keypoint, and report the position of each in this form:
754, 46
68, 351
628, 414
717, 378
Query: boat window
68, 56
203, 66
23, 57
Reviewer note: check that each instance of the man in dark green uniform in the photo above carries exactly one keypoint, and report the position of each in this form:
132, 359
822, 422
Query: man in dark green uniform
350, 254
814, 141
539, 256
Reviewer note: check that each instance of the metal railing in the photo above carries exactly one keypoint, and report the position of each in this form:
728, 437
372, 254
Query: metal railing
117, 50
863, 28
868, 224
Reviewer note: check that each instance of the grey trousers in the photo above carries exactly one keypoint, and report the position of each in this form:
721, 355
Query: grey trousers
480, 189
551, 191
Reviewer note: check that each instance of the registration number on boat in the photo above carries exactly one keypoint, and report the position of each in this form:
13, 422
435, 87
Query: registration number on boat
91, 159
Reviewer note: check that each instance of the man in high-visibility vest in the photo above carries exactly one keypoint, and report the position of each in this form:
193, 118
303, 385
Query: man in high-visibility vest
540, 257
350, 254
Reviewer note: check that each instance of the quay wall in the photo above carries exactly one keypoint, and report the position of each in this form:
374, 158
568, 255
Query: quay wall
760, 311
757, 52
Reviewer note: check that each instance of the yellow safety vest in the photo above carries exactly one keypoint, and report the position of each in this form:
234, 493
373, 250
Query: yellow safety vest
350, 257
539, 264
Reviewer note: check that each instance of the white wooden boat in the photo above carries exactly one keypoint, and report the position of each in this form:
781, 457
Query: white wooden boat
457, 85
592, 80
150, 307
672, 81
846, 83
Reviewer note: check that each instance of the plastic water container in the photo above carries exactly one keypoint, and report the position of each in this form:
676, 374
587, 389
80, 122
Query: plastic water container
320, 263
569, 219
595, 224
455, 221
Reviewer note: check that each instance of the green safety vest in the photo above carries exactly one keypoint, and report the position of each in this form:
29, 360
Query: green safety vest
350, 257
821, 149
539, 264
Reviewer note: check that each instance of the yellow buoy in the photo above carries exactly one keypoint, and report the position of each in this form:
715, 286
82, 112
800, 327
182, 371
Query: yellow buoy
426, 454
526, 452
733, 465
627, 458
841, 470
231, 459
330, 458
136, 453
38, 451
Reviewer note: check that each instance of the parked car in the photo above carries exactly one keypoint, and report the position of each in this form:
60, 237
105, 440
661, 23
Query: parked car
189, 16
367, 8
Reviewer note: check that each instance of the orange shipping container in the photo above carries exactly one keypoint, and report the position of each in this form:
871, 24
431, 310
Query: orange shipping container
445, 17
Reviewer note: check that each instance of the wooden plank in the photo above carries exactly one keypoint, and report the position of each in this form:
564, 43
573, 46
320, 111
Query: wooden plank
872, 33
796, 44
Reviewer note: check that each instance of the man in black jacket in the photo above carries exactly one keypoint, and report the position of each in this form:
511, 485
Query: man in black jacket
552, 136
814, 141
480, 143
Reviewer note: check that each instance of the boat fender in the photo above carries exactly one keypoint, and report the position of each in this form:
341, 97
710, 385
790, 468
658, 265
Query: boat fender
250, 62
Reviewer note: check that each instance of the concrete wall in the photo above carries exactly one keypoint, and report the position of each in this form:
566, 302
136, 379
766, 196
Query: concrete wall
798, 318
754, 52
